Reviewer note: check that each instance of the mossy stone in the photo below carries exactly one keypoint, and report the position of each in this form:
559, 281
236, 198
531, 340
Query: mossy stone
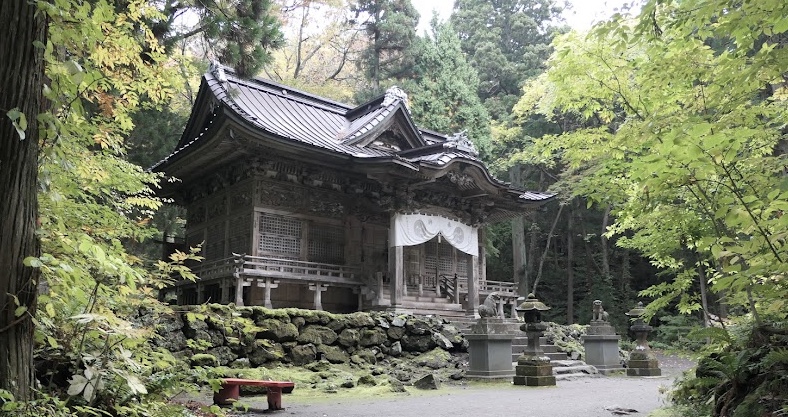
278, 330
333, 354
303, 354
317, 335
371, 337
349, 337
436, 359
204, 359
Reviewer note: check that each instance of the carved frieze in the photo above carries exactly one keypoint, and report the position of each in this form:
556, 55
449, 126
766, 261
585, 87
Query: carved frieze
271, 194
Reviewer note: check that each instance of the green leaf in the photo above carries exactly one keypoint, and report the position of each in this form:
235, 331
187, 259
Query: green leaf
19, 121
19, 311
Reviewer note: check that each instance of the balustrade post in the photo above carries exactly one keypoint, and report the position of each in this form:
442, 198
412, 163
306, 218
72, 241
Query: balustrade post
456, 289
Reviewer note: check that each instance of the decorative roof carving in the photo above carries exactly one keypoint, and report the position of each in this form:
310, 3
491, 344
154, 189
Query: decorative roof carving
460, 142
394, 94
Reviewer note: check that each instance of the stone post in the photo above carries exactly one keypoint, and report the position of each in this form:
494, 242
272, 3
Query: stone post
318, 289
473, 286
268, 285
239, 291
396, 274
642, 361
533, 366
601, 342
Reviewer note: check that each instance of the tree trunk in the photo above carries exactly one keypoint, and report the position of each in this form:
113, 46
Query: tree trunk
519, 261
605, 255
704, 299
570, 274
21, 82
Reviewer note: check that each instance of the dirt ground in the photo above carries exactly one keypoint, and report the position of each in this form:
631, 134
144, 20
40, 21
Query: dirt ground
583, 397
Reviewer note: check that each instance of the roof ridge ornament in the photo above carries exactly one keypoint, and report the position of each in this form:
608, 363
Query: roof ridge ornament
461, 142
217, 69
394, 94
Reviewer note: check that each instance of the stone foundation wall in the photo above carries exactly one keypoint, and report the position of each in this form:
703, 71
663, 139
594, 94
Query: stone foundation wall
243, 337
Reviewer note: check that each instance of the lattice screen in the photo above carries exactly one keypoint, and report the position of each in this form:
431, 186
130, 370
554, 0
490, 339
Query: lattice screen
326, 244
280, 236
445, 258
431, 256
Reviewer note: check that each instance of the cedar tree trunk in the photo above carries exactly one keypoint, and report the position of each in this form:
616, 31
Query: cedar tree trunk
21, 82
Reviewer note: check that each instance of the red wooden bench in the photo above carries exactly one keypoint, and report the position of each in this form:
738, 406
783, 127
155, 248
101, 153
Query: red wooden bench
231, 390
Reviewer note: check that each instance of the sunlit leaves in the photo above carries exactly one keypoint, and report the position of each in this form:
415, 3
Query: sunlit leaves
690, 120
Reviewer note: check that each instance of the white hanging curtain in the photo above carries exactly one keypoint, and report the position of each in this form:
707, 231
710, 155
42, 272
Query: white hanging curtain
415, 229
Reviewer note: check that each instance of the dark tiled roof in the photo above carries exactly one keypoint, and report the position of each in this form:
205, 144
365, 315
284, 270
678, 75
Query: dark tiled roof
315, 121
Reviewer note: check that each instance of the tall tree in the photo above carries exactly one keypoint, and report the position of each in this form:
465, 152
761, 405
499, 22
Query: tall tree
239, 33
22, 31
323, 44
690, 147
507, 41
391, 29
443, 87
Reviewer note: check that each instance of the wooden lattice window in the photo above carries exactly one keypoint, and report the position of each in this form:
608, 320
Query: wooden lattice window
279, 236
326, 244
431, 256
445, 258
462, 263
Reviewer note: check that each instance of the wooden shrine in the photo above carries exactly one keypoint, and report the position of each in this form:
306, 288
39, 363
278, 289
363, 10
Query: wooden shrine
300, 201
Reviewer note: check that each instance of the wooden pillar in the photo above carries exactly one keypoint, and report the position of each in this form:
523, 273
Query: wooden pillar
379, 288
200, 293
396, 274
473, 286
239, 291
318, 289
225, 286
268, 285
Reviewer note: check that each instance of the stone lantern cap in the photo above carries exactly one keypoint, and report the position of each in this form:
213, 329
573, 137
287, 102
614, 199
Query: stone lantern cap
532, 303
636, 311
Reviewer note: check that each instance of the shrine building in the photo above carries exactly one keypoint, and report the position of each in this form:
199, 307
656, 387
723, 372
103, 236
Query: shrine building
301, 201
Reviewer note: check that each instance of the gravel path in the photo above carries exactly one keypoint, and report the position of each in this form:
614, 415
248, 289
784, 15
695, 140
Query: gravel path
584, 397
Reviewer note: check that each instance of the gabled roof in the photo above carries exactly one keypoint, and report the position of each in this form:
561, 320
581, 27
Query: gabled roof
380, 131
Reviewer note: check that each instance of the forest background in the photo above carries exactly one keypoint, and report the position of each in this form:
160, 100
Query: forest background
662, 133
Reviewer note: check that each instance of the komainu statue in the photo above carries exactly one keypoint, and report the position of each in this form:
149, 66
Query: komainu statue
490, 306
598, 313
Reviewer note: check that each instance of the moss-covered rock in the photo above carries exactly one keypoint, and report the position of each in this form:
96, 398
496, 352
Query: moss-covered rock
333, 354
223, 354
319, 366
371, 337
317, 335
421, 343
298, 322
396, 333
367, 379
436, 359
359, 320
417, 326
266, 351
366, 355
277, 330
349, 337
203, 359
316, 317
337, 324
303, 354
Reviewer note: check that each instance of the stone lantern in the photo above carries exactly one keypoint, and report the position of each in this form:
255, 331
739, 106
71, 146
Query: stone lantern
642, 361
533, 366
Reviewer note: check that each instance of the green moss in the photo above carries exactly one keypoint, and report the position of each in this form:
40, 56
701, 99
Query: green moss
204, 359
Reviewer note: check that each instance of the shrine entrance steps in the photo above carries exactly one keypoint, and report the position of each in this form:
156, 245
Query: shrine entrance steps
427, 304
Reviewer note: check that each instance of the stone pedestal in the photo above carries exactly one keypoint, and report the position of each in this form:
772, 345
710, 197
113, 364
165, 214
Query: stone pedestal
602, 352
490, 349
533, 366
642, 361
